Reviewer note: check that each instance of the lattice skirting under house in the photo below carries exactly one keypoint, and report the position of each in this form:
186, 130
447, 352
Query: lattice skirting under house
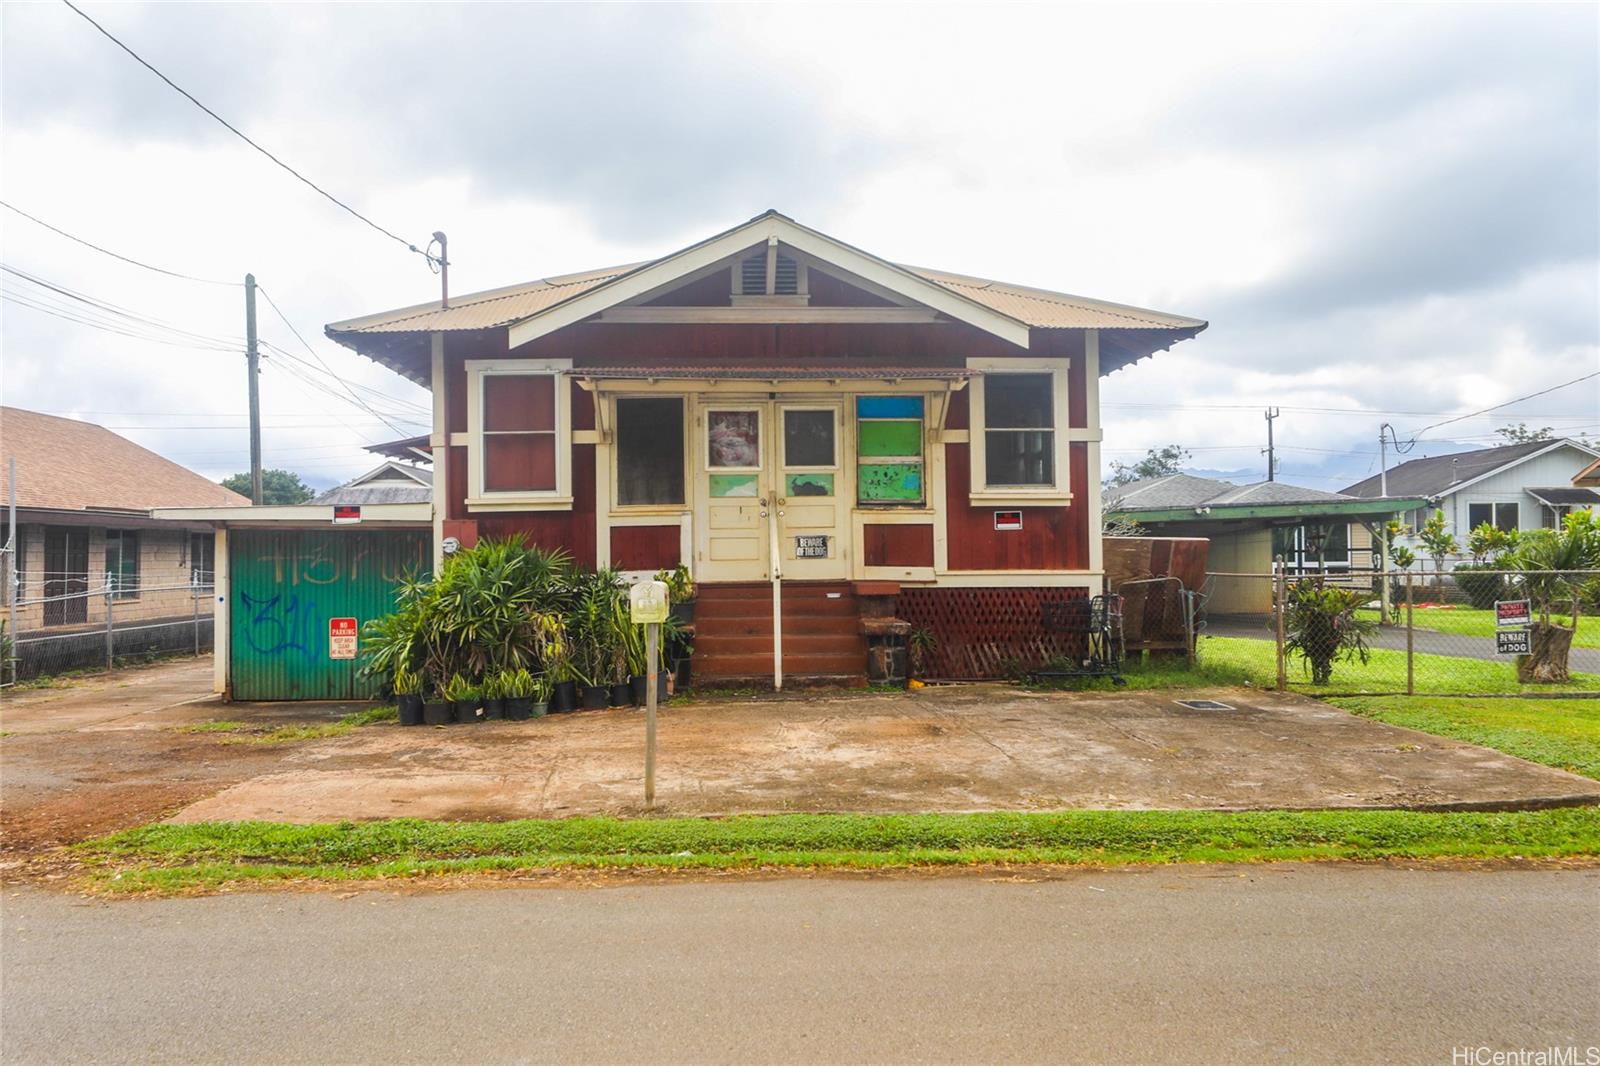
988, 633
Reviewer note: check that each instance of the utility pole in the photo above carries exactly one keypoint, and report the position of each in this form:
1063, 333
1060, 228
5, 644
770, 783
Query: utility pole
444, 268
1385, 431
1272, 461
253, 361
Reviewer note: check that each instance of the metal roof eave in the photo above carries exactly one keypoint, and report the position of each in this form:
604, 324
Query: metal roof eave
1224, 512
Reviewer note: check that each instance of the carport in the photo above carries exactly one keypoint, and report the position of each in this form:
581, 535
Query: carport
293, 585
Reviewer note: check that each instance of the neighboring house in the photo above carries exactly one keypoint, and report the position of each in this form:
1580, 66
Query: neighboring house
1252, 527
1518, 486
390, 483
1588, 477
787, 415
84, 496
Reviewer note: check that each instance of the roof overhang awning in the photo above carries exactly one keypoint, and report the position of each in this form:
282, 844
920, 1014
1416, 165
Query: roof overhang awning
1566, 496
940, 382
1353, 510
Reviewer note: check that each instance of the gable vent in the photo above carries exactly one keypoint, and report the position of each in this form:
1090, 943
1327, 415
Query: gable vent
753, 276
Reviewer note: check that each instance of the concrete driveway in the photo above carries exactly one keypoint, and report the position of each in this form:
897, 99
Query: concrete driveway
944, 749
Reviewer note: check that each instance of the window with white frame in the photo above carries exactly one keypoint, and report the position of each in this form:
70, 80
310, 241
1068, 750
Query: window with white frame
1504, 516
649, 451
1018, 431
518, 422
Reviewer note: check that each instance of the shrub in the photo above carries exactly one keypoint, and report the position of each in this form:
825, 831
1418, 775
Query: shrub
1323, 627
1481, 589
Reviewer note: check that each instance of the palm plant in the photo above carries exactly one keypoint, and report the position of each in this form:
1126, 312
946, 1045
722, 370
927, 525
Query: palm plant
1323, 626
1551, 562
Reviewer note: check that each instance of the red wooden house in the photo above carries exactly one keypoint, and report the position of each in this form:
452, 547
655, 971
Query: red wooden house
810, 428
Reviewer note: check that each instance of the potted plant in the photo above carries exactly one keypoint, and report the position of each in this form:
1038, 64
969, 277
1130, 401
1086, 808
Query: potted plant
540, 705
494, 696
408, 695
680, 591
465, 697
563, 686
517, 688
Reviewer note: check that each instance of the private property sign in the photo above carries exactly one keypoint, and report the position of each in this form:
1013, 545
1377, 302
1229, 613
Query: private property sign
1511, 621
342, 638
1511, 613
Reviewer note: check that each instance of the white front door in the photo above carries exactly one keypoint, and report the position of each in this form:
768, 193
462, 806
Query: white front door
771, 486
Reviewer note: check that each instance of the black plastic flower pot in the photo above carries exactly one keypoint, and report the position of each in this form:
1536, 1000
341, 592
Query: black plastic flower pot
683, 613
621, 694
494, 709
640, 683
596, 697
538, 709
518, 709
638, 689
438, 713
469, 710
410, 709
564, 697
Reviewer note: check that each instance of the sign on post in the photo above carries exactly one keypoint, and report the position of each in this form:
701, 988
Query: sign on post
1508, 614
649, 602
342, 638
1511, 621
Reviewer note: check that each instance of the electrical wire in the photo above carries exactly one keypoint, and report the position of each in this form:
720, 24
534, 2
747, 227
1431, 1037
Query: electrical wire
1508, 403
114, 255
315, 355
432, 260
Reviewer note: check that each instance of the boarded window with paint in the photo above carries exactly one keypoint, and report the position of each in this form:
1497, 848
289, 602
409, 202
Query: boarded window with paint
889, 467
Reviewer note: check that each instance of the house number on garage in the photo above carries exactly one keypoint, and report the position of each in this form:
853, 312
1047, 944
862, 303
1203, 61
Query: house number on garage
815, 547
342, 638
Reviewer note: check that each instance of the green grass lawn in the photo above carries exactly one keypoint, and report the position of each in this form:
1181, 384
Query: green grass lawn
169, 858
1385, 671
1560, 733
1469, 622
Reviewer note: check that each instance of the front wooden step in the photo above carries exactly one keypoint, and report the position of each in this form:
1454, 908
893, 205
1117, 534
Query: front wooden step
821, 631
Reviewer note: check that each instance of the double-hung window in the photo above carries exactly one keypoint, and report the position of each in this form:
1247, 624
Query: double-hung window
122, 563
889, 466
1018, 431
518, 419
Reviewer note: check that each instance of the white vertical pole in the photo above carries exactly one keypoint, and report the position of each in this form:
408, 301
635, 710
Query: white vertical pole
652, 640
13, 567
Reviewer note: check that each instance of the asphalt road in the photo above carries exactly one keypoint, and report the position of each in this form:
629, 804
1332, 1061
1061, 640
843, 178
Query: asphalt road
1197, 964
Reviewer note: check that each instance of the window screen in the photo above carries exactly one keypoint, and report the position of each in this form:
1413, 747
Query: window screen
519, 433
889, 449
1019, 437
122, 563
649, 451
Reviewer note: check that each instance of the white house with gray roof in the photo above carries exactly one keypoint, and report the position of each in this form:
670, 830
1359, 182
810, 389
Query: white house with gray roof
1516, 486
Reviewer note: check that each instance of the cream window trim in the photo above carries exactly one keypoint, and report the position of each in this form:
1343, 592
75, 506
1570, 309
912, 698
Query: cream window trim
611, 458
981, 492
479, 371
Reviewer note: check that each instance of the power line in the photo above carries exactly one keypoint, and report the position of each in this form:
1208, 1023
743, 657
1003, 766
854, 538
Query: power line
315, 355
1508, 403
432, 260
107, 251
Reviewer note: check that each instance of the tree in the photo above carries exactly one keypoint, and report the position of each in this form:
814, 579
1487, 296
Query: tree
1157, 462
277, 487
1550, 561
1437, 541
1521, 434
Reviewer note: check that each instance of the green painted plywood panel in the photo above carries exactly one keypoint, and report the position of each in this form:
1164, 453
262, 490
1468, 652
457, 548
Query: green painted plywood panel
723, 486
876, 439
285, 585
808, 484
890, 482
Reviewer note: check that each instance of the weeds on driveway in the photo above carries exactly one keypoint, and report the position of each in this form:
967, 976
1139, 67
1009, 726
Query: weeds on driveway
244, 733
173, 858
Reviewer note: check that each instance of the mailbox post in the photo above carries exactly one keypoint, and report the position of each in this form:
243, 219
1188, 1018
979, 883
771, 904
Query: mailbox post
648, 605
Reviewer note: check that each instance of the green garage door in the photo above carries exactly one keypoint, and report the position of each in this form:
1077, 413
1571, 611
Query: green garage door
287, 587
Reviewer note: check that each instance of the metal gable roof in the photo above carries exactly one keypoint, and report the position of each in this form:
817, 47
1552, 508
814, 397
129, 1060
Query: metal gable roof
1038, 308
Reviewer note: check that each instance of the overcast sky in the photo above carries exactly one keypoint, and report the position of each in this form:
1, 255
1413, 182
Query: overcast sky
1393, 211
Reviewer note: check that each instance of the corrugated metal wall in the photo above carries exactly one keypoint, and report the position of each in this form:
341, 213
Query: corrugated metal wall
284, 587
